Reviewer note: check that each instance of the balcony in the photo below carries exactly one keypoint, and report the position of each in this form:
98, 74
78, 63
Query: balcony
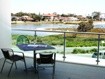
68, 65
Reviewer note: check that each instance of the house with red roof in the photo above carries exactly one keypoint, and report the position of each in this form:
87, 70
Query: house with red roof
49, 16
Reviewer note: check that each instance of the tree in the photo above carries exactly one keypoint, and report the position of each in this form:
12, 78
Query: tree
96, 15
64, 15
85, 26
35, 16
89, 17
13, 19
20, 14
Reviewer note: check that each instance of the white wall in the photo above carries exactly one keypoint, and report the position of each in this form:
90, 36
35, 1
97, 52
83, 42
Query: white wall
5, 24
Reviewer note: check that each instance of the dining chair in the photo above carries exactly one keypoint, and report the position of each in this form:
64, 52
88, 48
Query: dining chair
11, 57
22, 39
46, 60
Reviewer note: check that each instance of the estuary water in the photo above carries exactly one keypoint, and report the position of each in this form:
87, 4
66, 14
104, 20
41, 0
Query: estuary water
39, 27
44, 26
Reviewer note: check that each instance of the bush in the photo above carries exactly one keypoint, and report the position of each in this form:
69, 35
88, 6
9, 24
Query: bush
76, 51
82, 51
85, 26
93, 50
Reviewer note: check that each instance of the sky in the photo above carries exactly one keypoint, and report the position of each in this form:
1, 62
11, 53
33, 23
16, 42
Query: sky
78, 7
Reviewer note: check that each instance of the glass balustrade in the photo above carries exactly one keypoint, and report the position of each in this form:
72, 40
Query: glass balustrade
75, 47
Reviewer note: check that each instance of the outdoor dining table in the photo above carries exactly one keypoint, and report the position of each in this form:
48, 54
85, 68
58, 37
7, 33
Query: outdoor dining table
33, 47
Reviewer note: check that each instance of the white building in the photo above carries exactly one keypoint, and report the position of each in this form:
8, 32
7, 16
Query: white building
102, 16
5, 25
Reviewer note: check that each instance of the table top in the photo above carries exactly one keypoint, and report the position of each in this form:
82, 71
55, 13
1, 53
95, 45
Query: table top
36, 46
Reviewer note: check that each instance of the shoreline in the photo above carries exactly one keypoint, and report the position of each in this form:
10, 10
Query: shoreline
99, 22
47, 22
29, 22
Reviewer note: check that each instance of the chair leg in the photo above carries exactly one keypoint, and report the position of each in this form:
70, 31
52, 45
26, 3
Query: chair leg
10, 69
54, 69
38, 71
53, 72
15, 65
25, 65
3, 66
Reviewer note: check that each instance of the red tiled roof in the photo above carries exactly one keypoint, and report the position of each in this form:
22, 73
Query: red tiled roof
49, 14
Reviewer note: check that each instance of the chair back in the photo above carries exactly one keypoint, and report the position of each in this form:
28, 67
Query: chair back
7, 52
46, 58
22, 39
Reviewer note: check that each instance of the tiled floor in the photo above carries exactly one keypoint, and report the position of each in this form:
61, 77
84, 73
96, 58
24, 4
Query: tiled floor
63, 71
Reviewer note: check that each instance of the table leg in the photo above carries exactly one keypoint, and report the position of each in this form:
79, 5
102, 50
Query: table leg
34, 67
34, 61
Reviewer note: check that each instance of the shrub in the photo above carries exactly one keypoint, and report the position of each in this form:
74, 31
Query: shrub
85, 26
93, 50
82, 51
75, 51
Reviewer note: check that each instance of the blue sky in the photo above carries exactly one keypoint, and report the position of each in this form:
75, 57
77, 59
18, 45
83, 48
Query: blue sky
83, 7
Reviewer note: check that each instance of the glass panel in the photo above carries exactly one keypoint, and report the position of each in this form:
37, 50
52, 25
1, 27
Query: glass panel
81, 47
102, 51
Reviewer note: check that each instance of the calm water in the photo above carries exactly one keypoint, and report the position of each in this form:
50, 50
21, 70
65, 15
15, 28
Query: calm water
39, 27
44, 26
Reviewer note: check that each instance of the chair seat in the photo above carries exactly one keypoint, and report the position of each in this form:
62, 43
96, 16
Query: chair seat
45, 62
16, 58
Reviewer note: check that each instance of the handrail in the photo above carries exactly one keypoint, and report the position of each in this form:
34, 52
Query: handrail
94, 33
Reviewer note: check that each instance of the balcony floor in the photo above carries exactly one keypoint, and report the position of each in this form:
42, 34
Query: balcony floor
63, 71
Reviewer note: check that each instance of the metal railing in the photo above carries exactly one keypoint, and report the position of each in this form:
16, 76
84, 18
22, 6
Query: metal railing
64, 36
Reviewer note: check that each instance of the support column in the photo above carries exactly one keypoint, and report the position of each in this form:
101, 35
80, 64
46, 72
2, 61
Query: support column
5, 24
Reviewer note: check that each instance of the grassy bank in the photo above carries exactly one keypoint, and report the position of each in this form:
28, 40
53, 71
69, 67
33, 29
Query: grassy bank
78, 41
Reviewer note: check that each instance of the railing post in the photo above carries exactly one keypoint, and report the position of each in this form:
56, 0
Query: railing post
35, 37
64, 47
98, 49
